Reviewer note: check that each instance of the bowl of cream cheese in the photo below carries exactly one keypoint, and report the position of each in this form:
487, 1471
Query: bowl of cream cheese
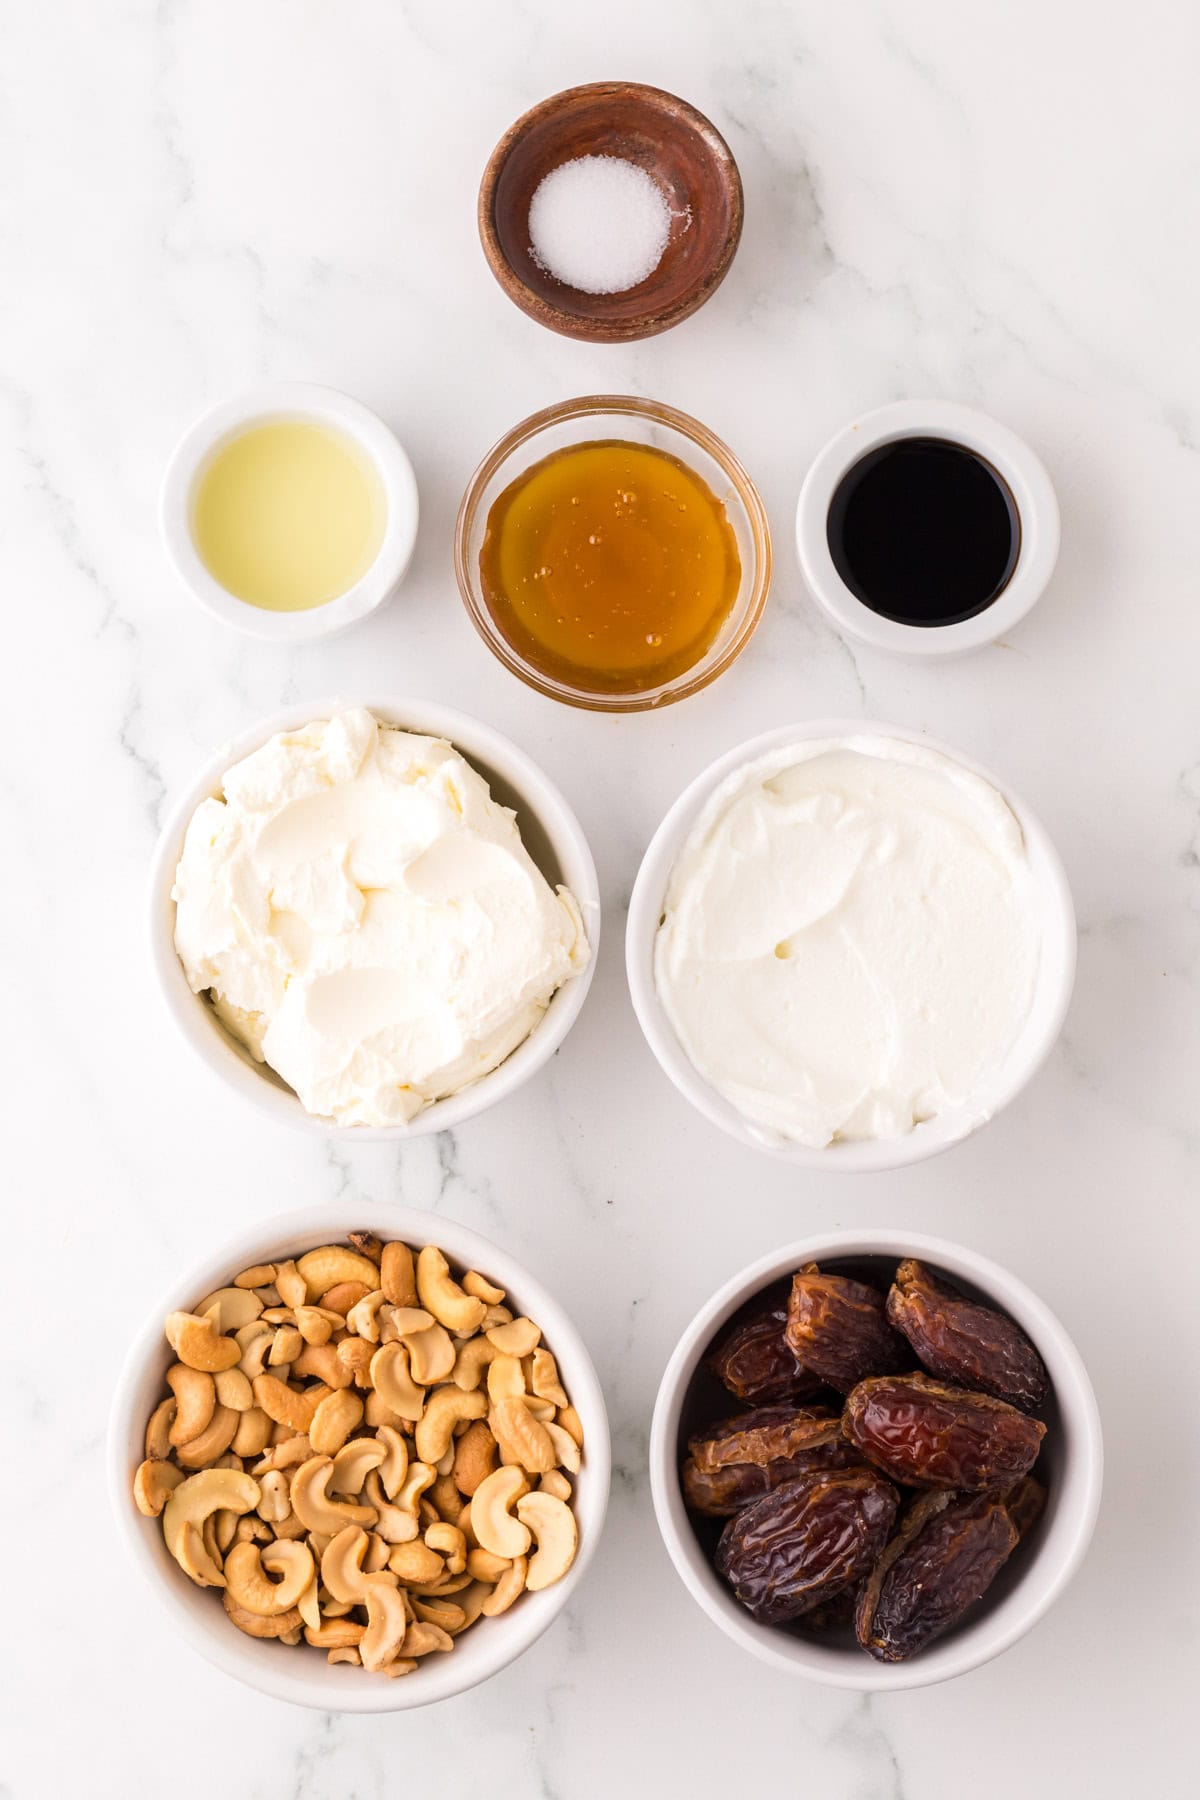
373, 920
850, 946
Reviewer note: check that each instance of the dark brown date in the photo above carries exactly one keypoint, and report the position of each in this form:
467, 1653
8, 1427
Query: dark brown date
806, 1541
756, 1365
739, 1459
930, 1434
1025, 1502
837, 1328
947, 1552
959, 1340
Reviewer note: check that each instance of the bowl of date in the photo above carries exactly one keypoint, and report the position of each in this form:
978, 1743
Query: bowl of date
876, 1459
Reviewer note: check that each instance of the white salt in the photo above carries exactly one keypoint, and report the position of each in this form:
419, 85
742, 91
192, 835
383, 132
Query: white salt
599, 224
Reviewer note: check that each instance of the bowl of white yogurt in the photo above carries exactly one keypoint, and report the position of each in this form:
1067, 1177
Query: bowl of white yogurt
850, 946
373, 920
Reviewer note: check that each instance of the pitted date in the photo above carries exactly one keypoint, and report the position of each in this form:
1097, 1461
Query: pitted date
944, 1557
1025, 1502
930, 1434
739, 1459
754, 1362
838, 1329
959, 1340
806, 1541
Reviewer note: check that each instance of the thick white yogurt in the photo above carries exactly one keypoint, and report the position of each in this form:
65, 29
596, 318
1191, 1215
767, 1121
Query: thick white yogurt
366, 919
851, 939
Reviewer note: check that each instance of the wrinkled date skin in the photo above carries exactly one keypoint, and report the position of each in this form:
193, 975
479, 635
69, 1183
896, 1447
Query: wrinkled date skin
806, 1541
838, 1329
930, 1434
756, 1365
961, 1341
740, 1459
947, 1552
1025, 1502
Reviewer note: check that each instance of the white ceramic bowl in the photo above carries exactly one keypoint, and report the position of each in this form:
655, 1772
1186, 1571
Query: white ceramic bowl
552, 835
1009, 454
261, 405
1056, 972
1071, 1465
303, 1676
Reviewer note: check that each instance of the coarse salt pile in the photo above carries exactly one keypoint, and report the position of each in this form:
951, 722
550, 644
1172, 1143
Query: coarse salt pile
599, 224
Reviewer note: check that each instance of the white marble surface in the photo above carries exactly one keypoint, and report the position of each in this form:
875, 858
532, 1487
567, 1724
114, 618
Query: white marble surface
990, 203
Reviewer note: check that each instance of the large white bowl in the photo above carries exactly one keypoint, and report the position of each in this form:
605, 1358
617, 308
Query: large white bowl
1071, 1463
1055, 979
552, 835
302, 1675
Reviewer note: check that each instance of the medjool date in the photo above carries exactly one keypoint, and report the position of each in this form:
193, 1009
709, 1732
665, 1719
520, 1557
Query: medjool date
947, 1552
959, 1340
739, 1459
756, 1365
838, 1329
1025, 1502
806, 1541
930, 1434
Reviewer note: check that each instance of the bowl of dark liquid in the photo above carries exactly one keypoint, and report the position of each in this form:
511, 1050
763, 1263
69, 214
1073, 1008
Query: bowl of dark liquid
927, 527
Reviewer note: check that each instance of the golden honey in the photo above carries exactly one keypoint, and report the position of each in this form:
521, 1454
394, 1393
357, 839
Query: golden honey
610, 566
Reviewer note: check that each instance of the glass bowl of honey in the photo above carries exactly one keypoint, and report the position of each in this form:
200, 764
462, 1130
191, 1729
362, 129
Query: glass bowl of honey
613, 553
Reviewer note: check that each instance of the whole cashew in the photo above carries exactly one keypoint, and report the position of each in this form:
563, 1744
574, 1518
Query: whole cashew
334, 1419
213, 1441
323, 1362
354, 1462
392, 1380
431, 1354
553, 1525
506, 1590
441, 1295
342, 1568
394, 1466
195, 1400
517, 1338
313, 1506
448, 1407
233, 1389
284, 1404
199, 1495
472, 1359
491, 1516
387, 1622
396, 1275
474, 1457
153, 1485
332, 1263
247, 1582
158, 1430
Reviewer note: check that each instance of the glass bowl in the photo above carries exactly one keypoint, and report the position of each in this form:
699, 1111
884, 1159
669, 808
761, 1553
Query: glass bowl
633, 420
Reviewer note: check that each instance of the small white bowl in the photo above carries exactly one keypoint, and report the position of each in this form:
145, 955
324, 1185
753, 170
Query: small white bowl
303, 1676
262, 405
1010, 455
551, 833
1052, 994
1071, 1464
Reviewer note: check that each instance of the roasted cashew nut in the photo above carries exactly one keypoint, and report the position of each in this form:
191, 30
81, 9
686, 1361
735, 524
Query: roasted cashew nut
194, 1499
396, 1275
397, 1521
521, 1437
197, 1342
387, 1622
354, 1462
472, 1359
213, 1441
420, 1639
311, 1502
342, 1565
565, 1447
154, 1484
324, 1268
284, 1404
474, 1283
235, 1307
394, 1466
335, 1418
441, 1295
510, 1585
233, 1389
431, 1354
392, 1380
544, 1380
448, 1407
491, 1516
195, 1400
246, 1576
520, 1337
451, 1543
416, 1561
323, 1362
553, 1525
363, 1317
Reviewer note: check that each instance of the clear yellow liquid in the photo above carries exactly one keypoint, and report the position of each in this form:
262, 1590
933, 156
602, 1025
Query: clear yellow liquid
288, 515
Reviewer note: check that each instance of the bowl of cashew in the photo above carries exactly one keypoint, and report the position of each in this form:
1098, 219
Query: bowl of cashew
343, 1457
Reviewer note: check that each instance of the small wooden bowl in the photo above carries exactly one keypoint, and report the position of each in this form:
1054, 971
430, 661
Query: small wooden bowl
676, 145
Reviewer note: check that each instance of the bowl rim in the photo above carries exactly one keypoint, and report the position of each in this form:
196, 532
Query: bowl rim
320, 1685
585, 406
975, 1643
645, 910
657, 102
261, 404
1021, 468
478, 742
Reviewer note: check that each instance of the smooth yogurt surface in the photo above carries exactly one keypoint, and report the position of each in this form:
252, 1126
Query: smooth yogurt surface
366, 919
850, 940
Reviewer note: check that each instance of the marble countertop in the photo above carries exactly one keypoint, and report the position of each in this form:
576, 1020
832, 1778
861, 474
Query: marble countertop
990, 204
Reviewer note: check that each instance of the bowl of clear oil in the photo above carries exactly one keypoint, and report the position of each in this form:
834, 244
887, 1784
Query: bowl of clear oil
289, 512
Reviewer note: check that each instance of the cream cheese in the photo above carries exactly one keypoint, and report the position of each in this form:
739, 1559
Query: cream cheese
366, 919
850, 941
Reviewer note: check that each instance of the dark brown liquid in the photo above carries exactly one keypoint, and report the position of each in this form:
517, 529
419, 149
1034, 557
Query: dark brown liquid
924, 532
